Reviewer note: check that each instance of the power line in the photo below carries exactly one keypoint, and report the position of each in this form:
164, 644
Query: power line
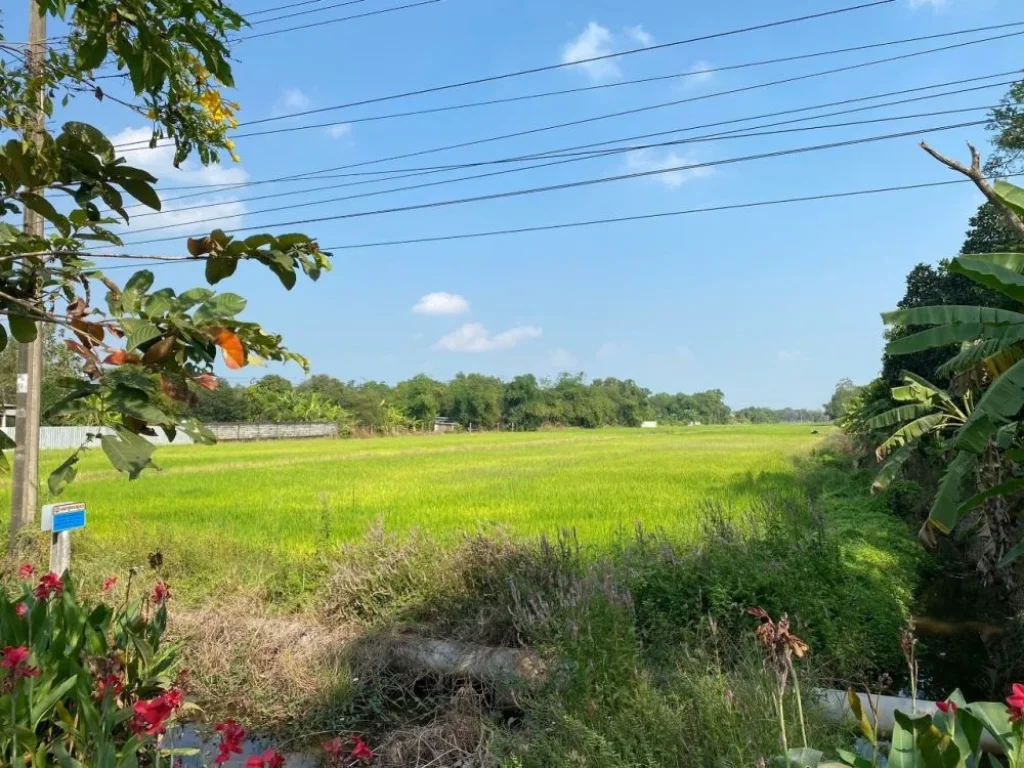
325, 173
303, 13
592, 222
572, 157
282, 7
325, 22
563, 65
585, 182
144, 143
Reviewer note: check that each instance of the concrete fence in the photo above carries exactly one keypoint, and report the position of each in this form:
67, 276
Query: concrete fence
69, 438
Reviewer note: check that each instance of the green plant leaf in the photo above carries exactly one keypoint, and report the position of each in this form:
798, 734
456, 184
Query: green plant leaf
139, 332
45, 208
1010, 194
1003, 489
65, 474
866, 729
990, 274
128, 452
912, 432
142, 192
220, 267
996, 720
1012, 556
947, 314
22, 328
944, 513
227, 304
938, 336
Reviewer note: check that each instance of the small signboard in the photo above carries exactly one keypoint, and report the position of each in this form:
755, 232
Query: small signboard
69, 516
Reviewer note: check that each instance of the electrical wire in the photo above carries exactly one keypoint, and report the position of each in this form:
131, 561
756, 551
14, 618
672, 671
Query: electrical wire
587, 222
308, 11
586, 182
325, 22
144, 143
316, 174
569, 158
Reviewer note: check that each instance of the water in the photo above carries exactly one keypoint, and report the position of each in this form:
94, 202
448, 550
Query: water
190, 737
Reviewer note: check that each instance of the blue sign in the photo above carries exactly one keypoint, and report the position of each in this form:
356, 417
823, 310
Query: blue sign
69, 516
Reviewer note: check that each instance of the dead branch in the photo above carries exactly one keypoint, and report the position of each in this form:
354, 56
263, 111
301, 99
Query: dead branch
977, 175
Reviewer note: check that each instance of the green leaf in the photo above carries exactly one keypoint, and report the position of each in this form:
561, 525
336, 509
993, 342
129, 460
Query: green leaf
140, 282
258, 241
3, 338
139, 332
996, 720
159, 303
944, 512
939, 336
891, 469
912, 432
93, 51
899, 415
1010, 194
226, 304
6, 444
194, 296
866, 729
142, 192
219, 268
128, 452
65, 474
952, 313
991, 275
23, 329
856, 761
1003, 489
904, 753
1001, 402
292, 239
45, 208
1011, 556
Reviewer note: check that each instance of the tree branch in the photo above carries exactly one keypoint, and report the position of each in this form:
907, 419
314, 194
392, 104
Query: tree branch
977, 175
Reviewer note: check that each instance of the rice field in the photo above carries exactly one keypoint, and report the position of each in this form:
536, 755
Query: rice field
242, 512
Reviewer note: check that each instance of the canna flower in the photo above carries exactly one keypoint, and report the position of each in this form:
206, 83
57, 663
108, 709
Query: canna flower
21, 609
1015, 703
269, 759
946, 707
161, 593
334, 747
27, 571
49, 585
109, 683
109, 583
15, 659
231, 737
151, 716
360, 751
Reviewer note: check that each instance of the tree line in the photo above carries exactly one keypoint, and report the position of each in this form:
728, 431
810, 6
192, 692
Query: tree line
475, 400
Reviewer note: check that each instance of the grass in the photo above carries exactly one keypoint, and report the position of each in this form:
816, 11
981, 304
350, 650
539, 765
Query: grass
256, 514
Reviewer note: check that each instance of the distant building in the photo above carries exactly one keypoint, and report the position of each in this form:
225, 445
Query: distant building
442, 425
648, 424
7, 415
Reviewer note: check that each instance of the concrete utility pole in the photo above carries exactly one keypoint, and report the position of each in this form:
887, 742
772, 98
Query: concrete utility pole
25, 486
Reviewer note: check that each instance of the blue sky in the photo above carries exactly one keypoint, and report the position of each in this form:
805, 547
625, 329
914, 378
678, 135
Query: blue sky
771, 305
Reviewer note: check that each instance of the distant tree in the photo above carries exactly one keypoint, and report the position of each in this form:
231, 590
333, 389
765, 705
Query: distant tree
59, 363
327, 387
629, 400
475, 399
223, 404
844, 392
523, 403
420, 399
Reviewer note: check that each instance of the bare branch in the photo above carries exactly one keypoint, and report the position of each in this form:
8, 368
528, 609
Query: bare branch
977, 175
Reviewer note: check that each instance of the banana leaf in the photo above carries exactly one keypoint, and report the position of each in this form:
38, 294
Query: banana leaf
910, 433
1003, 489
1000, 404
991, 274
1010, 194
952, 313
944, 513
891, 469
939, 336
899, 415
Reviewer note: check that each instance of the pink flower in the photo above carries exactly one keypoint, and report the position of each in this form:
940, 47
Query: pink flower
231, 737
151, 716
50, 584
161, 593
110, 583
1015, 703
269, 759
334, 747
15, 659
27, 571
946, 707
360, 751
111, 683
21, 609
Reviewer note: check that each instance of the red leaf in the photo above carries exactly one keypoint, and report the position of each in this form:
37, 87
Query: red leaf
174, 390
207, 381
120, 357
231, 346
80, 350
88, 333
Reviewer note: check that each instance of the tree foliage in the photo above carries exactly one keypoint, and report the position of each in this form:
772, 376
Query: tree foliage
139, 348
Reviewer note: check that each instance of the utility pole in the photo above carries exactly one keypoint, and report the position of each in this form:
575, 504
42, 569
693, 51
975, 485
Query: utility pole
25, 485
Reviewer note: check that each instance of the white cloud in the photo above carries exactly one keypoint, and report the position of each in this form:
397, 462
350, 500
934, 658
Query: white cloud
649, 161
291, 100
220, 208
698, 74
562, 359
339, 131
640, 35
790, 356
594, 41
441, 303
473, 337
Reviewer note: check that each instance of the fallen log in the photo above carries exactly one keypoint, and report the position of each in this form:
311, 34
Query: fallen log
453, 659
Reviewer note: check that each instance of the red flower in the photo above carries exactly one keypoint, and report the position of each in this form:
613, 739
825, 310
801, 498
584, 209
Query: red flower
21, 609
27, 571
231, 737
14, 657
152, 716
15, 660
334, 747
360, 751
946, 707
1015, 701
269, 759
161, 593
110, 583
111, 683
50, 584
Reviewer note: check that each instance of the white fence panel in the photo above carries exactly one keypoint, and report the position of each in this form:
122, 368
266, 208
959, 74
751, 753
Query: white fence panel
65, 438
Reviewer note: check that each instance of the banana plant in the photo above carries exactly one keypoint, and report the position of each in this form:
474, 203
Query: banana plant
991, 356
926, 411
